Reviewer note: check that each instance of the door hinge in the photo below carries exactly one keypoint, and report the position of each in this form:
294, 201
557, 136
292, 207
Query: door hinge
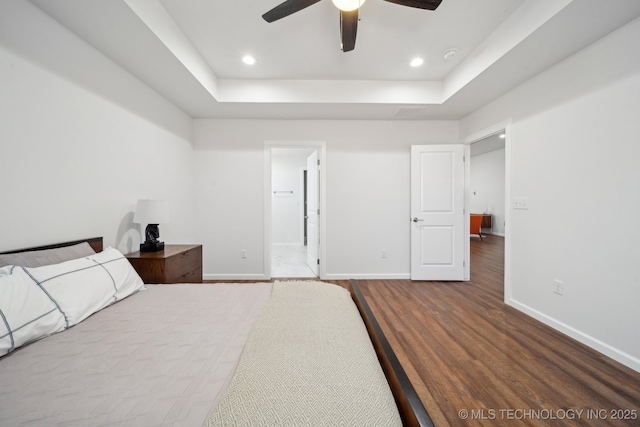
318, 261
318, 162
318, 212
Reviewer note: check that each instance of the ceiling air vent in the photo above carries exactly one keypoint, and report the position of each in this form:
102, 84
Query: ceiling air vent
407, 113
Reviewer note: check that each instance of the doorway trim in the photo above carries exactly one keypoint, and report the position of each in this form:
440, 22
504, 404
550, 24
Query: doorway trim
302, 212
475, 137
320, 146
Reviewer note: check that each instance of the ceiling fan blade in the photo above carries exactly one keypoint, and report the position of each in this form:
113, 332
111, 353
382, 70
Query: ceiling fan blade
287, 8
420, 4
348, 29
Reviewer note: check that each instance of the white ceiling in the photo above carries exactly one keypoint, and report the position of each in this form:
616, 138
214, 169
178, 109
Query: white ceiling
487, 145
190, 52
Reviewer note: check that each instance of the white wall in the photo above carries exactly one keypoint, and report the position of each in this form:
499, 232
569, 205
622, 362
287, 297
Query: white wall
367, 173
487, 188
288, 208
81, 140
75, 160
576, 156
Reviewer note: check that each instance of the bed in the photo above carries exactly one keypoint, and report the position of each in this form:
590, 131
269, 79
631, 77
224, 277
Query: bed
99, 347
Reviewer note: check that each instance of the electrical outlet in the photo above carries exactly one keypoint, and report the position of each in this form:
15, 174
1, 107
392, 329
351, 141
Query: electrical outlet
243, 254
558, 287
383, 254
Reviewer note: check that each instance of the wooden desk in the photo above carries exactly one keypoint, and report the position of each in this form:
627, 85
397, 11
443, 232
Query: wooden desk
486, 221
175, 264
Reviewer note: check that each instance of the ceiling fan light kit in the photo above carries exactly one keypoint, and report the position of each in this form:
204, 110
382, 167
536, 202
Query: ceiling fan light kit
348, 14
348, 5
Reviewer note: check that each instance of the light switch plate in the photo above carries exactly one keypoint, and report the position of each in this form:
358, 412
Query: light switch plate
521, 203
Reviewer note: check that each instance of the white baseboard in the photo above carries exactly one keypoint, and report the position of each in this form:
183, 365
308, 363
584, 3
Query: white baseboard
345, 276
604, 348
364, 276
234, 277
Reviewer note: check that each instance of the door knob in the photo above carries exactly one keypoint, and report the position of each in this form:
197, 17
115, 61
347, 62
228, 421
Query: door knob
415, 219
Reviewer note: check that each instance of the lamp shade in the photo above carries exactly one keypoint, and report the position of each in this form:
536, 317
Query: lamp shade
151, 212
348, 5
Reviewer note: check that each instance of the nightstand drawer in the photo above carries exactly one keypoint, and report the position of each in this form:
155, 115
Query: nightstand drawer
185, 266
194, 276
185, 261
175, 264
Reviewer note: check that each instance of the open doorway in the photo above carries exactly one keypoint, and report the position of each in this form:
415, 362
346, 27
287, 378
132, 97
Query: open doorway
488, 188
293, 243
487, 183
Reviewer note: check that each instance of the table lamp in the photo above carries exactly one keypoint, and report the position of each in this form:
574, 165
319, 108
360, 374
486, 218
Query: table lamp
152, 213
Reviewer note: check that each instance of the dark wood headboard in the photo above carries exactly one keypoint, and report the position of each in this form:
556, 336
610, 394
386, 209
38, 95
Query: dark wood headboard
94, 242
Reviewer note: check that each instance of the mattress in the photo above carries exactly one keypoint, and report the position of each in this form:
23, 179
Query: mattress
161, 357
308, 362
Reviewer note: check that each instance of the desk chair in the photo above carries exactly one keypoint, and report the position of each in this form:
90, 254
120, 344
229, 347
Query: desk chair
475, 223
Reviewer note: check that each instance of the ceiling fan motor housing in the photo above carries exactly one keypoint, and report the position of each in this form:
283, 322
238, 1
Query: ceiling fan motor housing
348, 14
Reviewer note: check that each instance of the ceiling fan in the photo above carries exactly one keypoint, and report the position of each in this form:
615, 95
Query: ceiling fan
348, 14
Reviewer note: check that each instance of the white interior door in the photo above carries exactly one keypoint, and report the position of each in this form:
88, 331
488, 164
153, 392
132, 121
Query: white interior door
437, 212
313, 211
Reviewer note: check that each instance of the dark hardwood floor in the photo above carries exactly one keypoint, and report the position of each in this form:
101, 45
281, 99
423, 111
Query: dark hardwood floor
476, 361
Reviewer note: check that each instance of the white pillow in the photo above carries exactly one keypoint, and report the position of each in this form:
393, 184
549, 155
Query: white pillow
26, 313
33, 301
125, 276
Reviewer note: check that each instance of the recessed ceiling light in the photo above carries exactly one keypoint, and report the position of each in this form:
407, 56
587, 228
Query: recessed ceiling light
416, 62
502, 136
248, 59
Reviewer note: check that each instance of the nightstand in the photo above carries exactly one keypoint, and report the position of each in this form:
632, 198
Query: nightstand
175, 264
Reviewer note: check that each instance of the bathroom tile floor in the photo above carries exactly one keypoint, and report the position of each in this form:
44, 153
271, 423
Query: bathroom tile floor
290, 261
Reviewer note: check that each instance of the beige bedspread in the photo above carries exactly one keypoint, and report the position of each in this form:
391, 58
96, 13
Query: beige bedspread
161, 357
308, 362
